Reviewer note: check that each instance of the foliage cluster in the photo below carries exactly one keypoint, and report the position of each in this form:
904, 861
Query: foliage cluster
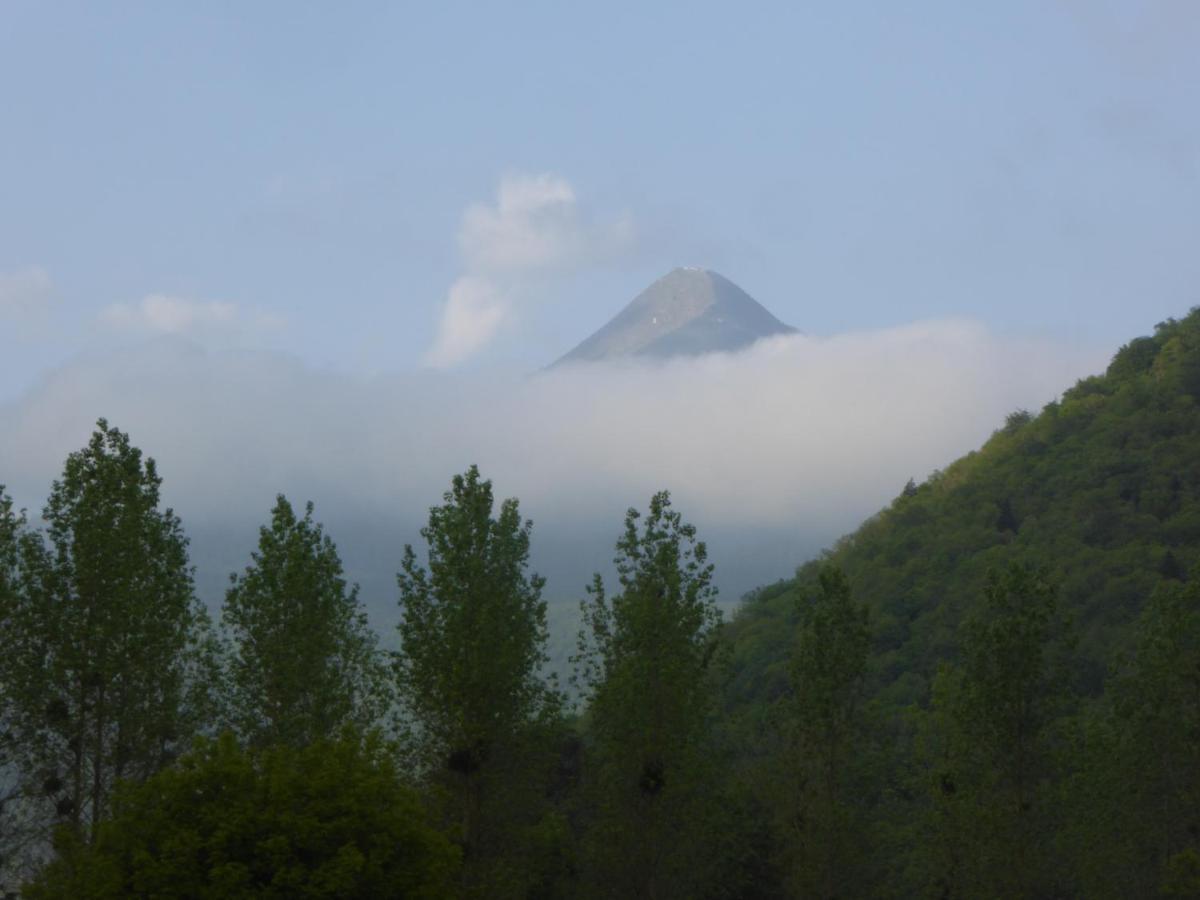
331, 819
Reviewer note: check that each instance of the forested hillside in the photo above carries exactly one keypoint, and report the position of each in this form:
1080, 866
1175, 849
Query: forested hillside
1102, 488
1027, 717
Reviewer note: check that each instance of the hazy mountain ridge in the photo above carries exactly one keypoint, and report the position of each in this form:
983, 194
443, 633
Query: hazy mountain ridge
687, 312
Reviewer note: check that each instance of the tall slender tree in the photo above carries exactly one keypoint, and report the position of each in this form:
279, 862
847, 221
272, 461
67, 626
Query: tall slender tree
105, 632
18, 807
473, 642
991, 741
12, 524
824, 835
1136, 815
644, 666
303, 661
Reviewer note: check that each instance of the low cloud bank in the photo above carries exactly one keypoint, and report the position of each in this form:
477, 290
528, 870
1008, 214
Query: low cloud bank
772, 452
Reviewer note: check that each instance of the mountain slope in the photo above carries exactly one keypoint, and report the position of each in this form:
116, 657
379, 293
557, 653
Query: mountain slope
686, 312
1102, 488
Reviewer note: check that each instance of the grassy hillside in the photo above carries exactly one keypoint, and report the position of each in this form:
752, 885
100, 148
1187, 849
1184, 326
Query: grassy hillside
1102, 488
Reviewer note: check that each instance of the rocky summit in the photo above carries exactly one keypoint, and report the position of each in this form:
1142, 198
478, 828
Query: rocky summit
689, 311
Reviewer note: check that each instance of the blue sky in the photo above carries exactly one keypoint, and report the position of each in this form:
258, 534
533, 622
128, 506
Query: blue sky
301, 172
319, 248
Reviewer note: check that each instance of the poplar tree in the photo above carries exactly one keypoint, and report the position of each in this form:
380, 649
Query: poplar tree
1136, 821
18, 819
303, 661
644, 665
824, 828
105, 636
991, 741
473, 643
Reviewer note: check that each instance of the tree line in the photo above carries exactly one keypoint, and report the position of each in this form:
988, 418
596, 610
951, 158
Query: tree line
147, 749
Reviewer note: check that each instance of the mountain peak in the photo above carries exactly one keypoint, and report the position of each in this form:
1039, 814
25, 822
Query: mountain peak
687, 312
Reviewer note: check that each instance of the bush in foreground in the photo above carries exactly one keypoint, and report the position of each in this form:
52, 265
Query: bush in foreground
328, 820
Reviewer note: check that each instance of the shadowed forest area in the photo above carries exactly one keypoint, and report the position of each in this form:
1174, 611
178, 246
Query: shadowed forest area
991, 689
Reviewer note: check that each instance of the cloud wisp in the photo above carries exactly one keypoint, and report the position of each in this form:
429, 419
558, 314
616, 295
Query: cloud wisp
534, 229
474, 310
163, 314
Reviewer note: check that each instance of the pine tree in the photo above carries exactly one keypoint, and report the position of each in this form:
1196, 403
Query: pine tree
304, 662
105, 635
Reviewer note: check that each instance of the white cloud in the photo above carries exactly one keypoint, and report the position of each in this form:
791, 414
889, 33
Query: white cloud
164, 314
24, 292
532, 229
532, 225
773, 451
473, 313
